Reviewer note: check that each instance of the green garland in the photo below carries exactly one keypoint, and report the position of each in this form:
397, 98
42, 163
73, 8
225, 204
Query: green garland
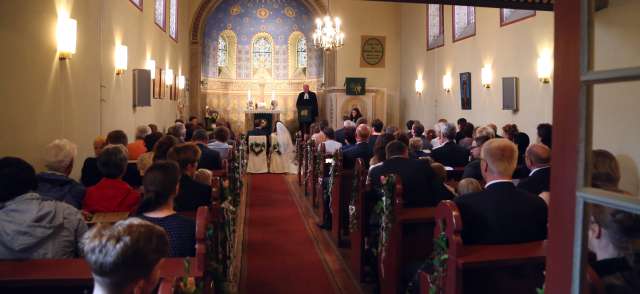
353, 210
257, 147
328, 191
439, 259
384, 208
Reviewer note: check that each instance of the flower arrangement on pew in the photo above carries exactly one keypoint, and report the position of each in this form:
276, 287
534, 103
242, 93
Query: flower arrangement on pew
439, 259
257, 147
333, 173
384, 208
187, 284
353, 210
308, 148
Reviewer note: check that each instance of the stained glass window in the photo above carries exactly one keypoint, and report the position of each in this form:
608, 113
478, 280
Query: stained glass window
435, 26
223, 50
160, 13
262, 53
302, 52
173, 19
465, 22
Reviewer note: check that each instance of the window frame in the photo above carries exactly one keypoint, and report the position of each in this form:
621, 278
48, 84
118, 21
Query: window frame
140, 7
176, 20
429, 47
453, 23
162, 26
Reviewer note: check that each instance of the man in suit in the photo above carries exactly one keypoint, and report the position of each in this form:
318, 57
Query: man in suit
472, 170
501, 214
307, 105
376, 125
359, 150
340, 133
419, 181
191, 194
450, 153
209, 159
461, 123
538, 160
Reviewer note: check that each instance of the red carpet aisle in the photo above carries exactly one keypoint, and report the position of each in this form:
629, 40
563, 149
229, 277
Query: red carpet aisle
279, 254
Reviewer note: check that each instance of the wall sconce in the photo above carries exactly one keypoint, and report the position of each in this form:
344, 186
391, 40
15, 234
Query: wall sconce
181, 82
151, 66
419, 87
486, 76
121, 59
168, 77
447, 82
66, 33
545, 67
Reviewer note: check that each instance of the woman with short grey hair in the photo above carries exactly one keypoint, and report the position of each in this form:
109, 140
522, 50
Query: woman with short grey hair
55, 183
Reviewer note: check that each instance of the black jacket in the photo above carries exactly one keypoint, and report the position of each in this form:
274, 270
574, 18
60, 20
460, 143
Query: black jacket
421, 189
311, 102
351, 153
192, 195
472, 170
451, 154
209, 159
538, 182
502, 214
91, 175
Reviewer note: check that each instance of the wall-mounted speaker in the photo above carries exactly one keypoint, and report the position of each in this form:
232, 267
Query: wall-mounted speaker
141, 87
510, 93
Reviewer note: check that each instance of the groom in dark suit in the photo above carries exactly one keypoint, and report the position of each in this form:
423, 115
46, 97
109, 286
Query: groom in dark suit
307, 105
501, 214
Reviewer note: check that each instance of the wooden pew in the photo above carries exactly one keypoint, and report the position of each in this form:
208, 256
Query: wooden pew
48, 273
299, 155
409, 240
486, 258
358, 219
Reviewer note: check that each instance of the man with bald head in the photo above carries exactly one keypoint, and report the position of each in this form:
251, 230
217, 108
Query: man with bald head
307, 105
501, 214
538, 160
360, 150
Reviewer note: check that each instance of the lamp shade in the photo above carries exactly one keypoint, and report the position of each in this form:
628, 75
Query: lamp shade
66, 33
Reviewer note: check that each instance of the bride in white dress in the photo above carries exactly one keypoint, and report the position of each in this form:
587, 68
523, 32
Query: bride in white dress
287, 148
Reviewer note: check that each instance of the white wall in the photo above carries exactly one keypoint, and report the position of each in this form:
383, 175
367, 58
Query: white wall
44, 98
512, 50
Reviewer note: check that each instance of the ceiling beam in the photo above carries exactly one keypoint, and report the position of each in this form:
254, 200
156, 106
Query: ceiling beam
542, 5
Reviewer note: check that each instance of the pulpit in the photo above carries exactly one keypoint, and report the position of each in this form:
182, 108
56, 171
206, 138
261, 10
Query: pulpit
270, 116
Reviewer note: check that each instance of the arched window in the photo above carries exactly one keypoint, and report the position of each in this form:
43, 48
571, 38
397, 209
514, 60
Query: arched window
302, 52
223, 52
262, 51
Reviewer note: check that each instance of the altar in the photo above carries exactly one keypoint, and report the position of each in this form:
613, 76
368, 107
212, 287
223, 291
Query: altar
269, 115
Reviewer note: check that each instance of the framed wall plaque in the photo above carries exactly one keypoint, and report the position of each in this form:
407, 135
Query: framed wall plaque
372, 51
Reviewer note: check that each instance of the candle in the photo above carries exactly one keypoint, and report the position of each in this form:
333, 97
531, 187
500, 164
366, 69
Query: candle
273, 95
249, 95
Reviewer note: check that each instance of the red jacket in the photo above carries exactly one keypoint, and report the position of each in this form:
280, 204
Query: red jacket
111, 195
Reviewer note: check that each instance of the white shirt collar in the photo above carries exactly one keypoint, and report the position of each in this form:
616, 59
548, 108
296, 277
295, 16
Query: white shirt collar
306, 95
497, 181
537, 169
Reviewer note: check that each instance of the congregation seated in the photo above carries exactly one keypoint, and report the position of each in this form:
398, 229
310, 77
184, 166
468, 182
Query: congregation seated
441, 176
467, 136
379, 149
90, 174
55, 183
417, 131
93, 175
138, 147
419, 181
330, 144
415, 148
219, 143
436, 142
191, 127
449, 153
362, 121
178, 130
341, 134
376, 130
501, 214
472, 170
191, 194
468, 186
161, 184
209, 159
316, 135
146, 159
544, 134
111, 193
538, 160
154, 129
359, 150
462, 122
31, 226
605, 171
611, 236
125, 257
162, 147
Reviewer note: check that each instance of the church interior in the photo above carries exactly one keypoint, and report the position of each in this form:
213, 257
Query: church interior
320, 146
